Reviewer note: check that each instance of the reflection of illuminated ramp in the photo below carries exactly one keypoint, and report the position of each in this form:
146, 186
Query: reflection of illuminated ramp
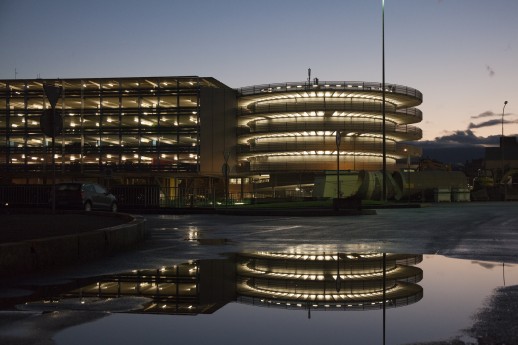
348, 281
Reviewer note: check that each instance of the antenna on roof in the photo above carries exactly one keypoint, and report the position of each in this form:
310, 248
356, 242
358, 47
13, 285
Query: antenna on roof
15, 73
309, 75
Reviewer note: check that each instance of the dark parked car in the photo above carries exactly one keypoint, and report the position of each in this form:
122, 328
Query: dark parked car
84, 195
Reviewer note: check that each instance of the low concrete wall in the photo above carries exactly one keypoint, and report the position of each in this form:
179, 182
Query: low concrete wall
34, 255
15, 257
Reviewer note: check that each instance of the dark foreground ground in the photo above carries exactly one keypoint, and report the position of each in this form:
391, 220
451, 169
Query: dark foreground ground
475, 231
23, 227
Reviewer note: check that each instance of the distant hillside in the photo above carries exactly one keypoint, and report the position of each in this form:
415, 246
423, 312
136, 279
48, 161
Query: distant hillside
453, 155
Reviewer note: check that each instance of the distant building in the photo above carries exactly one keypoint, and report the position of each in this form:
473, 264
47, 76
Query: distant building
502, 159
189, 133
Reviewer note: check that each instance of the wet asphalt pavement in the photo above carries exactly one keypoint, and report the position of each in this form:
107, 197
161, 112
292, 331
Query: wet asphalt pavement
481, 231
477, 231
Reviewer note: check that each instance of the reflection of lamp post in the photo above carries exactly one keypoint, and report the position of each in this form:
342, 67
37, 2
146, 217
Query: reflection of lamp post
338, 278
384, 293
503, 271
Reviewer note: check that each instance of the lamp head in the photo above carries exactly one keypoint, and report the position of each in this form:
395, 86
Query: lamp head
505, 102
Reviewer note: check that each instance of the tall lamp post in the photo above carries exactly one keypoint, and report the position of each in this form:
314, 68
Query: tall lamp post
502, 140
384, 195
338, 141
408, 173
503, 110
226, 156
51, 125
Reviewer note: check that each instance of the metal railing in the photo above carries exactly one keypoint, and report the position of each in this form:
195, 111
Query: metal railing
130, 197
328, 105
104, 169
271, 127
330, 85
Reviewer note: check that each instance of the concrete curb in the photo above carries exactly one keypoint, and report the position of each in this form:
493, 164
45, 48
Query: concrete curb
281, 212
34, 255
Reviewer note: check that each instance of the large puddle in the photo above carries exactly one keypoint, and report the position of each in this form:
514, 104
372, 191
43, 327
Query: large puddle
289, 298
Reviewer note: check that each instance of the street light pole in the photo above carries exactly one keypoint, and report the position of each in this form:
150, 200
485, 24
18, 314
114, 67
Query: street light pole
384, 195
226, 156
338, 141
408, 173
502, 142
503, 110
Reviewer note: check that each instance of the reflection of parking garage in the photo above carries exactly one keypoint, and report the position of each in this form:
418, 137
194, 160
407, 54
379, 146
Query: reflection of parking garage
347, 281
293, 281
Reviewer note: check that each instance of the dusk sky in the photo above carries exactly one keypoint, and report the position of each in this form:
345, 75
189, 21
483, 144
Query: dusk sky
461, 54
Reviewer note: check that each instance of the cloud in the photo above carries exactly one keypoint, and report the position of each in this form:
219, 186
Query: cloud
484, 114
490, 70
490, 123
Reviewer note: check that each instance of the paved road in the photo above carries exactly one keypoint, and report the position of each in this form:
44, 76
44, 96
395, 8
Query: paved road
484, 231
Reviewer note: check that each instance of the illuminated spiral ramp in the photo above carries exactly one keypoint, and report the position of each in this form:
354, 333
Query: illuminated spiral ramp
293, 126
323, 281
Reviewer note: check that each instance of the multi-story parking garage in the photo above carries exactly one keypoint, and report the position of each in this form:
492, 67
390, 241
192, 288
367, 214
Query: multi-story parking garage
293, 126
196, 133
129, 130
290, 129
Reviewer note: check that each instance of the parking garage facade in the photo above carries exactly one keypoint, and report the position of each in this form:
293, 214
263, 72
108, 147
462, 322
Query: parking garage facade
200, 136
